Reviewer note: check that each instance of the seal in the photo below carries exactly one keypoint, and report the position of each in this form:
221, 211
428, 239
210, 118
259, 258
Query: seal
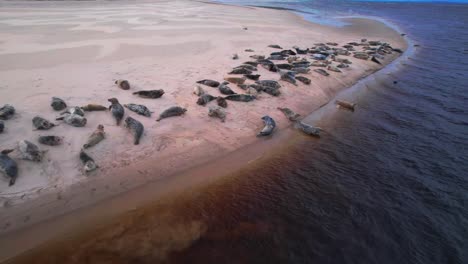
319, 64
93, 107
249, 50
269, 83
97, 136
240, 97
216, 111
290, 114
342, 65
271, 90
275, 46
374, 59
301, 51
50, 140
58, 104
361, 56
276, 57
8, 166
234, 79
308, 129
254, 77
153, 94
139, 109
270, 126
221, 102
288, 52
235, 56
204, 99
303, 79
6, 112
257, 57
301, 64
2, 126
30, 151
74, 111
247, 67
116, 109
136, 128
123, 84
41, 123
333, 68
253, 63
198, 90
322, 72
210, 83
346, 104
73, 120
292, 59
332, 43
240, 71
284, 66
270, 67
224, 89
172, 111
252, 91
301, 70
88, 163
288, 76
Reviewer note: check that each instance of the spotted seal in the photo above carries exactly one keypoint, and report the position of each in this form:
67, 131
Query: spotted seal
240, 97
41, 123
275, 46
205, 98
269, 83
240, 71
89, 164
123, 84
288, 76
216, 111
224, 89
308, 129
6, 112
247, 67
29, 151
198, 90
135, 127
172, 111
97, 136
290, 114
116, 109
93, 107
301, 70
73, 120
8, 166
303, 79
221, 102
270, 126
58, 104
50, 140
208, 82
234, 79
322, 72
74, 111
284, 66
333, 68
152, 94
139, 109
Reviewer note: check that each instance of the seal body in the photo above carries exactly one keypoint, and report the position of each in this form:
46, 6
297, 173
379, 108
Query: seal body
333, 68
269, 83
204, 99
123, 84
221, 102
275, 46
139, 109
216, 111
88, 162
254, 77
97, 136
30, 151
208, 82
321, 72
6, 112
270, 126
224, 89
153, 94
50, 140
289, 77
290, 114
93, 107
308, 129
303, 79
240, 71
240, 97
301, 70
74, 111
42, 123
198, 90
8, 166
136, 128
117, 110
172, 111
236, 80
58, 104
74, 120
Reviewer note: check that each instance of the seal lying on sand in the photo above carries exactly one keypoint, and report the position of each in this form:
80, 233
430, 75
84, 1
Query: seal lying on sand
30, 151
210, 83
322, 72
275, 46
41, 123
254, 77
333, 68
2, 126
205, 98
88, 162
6, 112
74, 111
308, 129
73, 120
93, 107
8, 166
153, 94
269, 83
374, 59
117, 110
172, 111
247, 67
221, 102
288, 76
269, 126
290, 114
50, 140
58, 104
224, 89
136, 128
97, 136
253, 63
240, 97
346, 104
198, 90
303, 79
139, 109
240, 71
236, 80
300, 70
123, 84
271, 91
216, 111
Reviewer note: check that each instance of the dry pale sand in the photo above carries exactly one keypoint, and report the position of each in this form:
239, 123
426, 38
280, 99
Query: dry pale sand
76, 50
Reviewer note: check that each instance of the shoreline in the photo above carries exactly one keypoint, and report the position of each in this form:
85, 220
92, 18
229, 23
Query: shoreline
101, 189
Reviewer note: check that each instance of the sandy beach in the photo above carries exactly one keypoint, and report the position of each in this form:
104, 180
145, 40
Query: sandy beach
76, 51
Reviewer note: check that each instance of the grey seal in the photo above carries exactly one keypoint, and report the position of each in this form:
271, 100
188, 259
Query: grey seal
319, 64
308, 129
74, 111
139, 109
303, 79
221, 102
97, 136
276, 57
216, 111
136, 128
253, 63
234, 79
93, 107
89, 164
247, 67
361, 56
269, 83
342, 65
116, 109
50, 140
58, 104
29, 151
73, 120
224, 89
240, 71
8, 166
41, 123
198, 90
333, 68
290, 114
257, 57
288, 52
271, 90
301, 51
270, 126
374, 59
322, 72
210, 83
300, 70
284, 66
123, 84
2, 126
346, 104
254, 77
6, 112
275, 46
205, 98
249, 50
332, 43
240, 97
172, 111
235, 56
152, 94
288, 76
